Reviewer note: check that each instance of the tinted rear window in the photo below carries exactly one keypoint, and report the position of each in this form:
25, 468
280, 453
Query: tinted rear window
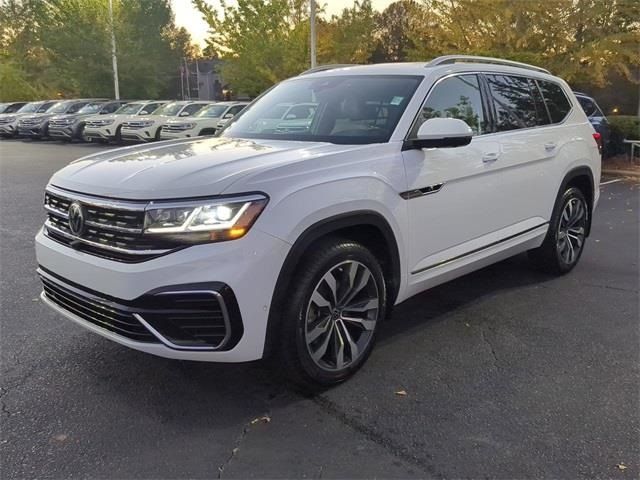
514, 103
555, 100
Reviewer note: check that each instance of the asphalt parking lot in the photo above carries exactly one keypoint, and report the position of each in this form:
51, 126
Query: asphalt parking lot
508, 373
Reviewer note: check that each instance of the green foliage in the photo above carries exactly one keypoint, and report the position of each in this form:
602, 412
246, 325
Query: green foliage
625, 126
14, 85
66, 45
584, 41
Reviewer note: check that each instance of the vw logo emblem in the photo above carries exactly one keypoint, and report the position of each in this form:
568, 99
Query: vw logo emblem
76, 219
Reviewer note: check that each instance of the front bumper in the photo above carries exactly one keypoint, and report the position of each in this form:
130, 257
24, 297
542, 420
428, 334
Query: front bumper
65, 133
176, 135
249, 267
144, 134
101, 134
8, 129
35, 131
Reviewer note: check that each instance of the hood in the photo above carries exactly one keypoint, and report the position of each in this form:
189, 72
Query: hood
181, 169
41, 116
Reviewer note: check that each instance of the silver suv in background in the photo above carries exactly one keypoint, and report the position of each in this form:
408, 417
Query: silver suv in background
70, 126
9, 121
37, 125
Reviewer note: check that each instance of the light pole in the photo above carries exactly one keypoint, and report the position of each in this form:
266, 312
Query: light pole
114, 58
312, 17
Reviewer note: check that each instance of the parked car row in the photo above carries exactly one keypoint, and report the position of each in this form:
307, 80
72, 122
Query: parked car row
104, 120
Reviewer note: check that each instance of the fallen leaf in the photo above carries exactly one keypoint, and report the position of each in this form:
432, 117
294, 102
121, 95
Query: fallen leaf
466, 324
263, 419
60, 438
401, 393
35, 299
621, 466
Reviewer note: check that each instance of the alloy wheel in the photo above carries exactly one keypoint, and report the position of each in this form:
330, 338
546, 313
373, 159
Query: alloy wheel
342, 315
571, 230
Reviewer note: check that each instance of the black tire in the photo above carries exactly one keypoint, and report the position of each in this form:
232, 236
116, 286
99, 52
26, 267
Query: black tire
333, 256
158, 132
118, 136
551, 256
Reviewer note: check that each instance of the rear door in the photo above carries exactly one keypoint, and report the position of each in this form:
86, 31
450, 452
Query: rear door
528, 143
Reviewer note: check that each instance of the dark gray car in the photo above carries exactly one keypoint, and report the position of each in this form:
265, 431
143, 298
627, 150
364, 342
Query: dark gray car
598, 120
69, 126
37, 125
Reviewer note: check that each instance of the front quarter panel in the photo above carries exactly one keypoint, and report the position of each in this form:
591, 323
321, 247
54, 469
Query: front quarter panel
361, 178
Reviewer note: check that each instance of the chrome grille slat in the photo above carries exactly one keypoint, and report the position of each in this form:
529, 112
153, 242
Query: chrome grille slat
112, 228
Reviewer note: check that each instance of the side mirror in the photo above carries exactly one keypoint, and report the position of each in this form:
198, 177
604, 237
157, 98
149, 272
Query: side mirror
442, 133
184, 114
227, 116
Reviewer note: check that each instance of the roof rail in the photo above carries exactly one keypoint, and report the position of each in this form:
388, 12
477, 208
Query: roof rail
446, 59
322, 68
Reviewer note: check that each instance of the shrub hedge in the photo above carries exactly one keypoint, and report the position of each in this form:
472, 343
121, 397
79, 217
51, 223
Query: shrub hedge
623, 127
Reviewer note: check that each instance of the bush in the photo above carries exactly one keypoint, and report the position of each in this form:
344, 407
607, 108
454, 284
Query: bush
623, 127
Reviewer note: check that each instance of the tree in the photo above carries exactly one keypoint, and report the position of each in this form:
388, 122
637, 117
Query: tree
65, 45
348, 37
261, 42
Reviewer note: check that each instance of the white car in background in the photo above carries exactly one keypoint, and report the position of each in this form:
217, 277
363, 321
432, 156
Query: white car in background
286, 117
107, 128
205, 122
148, 128
9, 121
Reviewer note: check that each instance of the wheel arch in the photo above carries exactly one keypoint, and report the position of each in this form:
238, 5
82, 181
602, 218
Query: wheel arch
365, 226
581, 178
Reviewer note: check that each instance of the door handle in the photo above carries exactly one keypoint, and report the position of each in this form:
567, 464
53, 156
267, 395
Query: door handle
550, 147
490, 157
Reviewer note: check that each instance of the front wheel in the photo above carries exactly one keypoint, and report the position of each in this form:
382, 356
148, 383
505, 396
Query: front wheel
338, 298
564, 243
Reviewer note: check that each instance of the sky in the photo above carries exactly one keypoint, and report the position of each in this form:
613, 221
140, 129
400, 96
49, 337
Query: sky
187, 16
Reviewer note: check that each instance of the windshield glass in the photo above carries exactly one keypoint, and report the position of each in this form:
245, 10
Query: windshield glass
129, 109
59, 107
170, 109
30, 107
343, 109
3, 107
213, 111
91, 108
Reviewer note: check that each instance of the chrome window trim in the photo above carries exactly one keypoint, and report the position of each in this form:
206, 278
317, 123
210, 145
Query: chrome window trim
497, 72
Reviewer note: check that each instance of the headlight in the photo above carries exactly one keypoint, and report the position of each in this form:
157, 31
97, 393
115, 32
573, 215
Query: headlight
204, 221
147, 123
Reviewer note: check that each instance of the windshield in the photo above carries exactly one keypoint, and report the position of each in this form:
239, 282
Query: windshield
59, 107
3, 107
129, 109
170, 109
213, 111
30, 107
358, 109
91, 108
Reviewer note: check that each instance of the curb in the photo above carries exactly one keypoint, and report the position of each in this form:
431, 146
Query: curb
622, 173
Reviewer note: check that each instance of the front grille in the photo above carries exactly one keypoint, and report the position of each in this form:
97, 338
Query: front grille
96, 123
60, 123
190, 317
176, 128
111, 229
107, 315
135, 125
29, 121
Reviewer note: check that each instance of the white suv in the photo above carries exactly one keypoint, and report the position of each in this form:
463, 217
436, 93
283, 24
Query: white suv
148, 128
295, 246
106, 128
205, 122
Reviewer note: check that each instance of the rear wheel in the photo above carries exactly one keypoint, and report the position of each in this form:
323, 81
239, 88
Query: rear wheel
564, 243
118, 135
332, 316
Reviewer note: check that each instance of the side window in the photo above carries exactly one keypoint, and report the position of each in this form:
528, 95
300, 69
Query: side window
514, 103
455, 97
541, 109
149, 108
235, 110
589, 107
555, 99
111, 107
14, 108
76, 107
193, 108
